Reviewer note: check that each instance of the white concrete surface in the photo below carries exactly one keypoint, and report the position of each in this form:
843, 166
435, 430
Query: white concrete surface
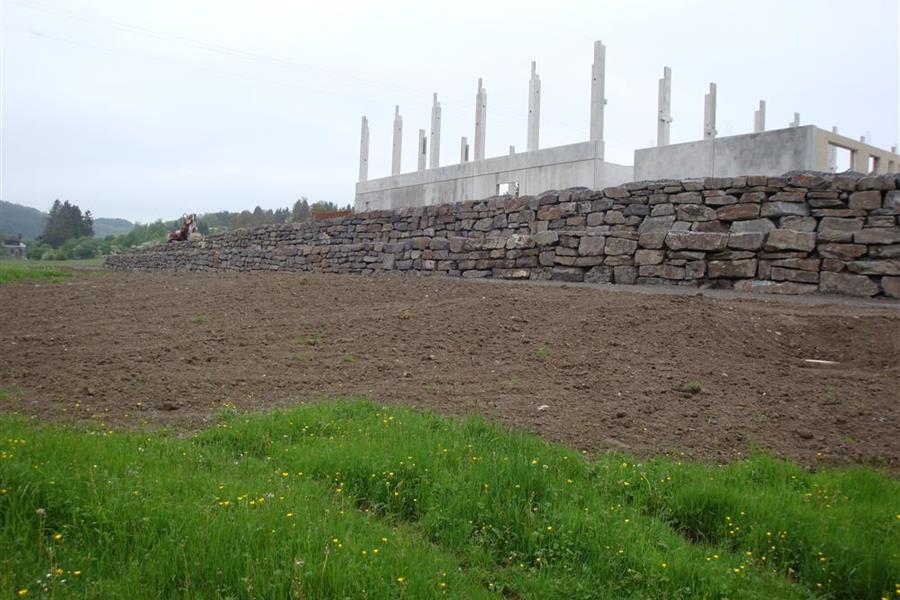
534, 109
423, 150
772, 153
796, 121
759, 118
364, 150
534, 172
598, 94
664, 113
463, 150
398, 142
480, 120
435, 159
709, 113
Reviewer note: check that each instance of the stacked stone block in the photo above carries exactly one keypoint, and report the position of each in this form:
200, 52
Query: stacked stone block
801, 233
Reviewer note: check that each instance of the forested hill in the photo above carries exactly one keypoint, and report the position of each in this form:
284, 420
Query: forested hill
16, 219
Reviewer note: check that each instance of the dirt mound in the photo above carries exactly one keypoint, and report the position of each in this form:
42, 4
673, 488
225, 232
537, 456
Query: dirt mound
711, 377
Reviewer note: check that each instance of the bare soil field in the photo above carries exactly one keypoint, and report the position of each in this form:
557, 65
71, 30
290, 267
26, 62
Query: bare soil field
600, 369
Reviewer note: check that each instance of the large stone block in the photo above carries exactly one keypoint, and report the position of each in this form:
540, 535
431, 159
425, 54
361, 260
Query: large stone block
875, 267
599, 275
847, 284
619, 246
782, 274
782, 209
878, 235
648, 257
786, 239
753, 226
592, 246
686, 198
891, 286
627, 275
731, 269
842, 251
566, 274
549, 212
832, 229
738, 212
663, 271
545, 238
695, 240
865, 200
746, 241
695, 212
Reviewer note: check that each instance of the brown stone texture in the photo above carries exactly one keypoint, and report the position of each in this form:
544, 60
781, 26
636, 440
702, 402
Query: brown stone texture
770, 231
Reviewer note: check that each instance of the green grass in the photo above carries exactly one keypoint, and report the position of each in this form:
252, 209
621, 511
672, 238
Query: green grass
353, 500
72, 263
692, 387
20, 270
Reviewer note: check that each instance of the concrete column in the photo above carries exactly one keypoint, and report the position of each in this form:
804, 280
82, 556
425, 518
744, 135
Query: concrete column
364, 151
534, 109
862, 139
664, 117
832, 154
759, 118
598, 95
860, 160
709, 113
423, 149
480, 120
435, 134
512, 150
796, 121
464, 150
398, 141
893, 148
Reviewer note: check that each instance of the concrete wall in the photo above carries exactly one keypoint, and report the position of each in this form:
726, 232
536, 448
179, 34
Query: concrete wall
768, 153
549, 168
799, 235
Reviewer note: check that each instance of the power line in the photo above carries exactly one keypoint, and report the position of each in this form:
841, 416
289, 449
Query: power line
265, 59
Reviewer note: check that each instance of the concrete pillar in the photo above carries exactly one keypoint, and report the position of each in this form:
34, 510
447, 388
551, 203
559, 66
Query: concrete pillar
862, 139
463, 150
364, 151
759, 118
423, 150
796, 121
598, 95
860, 161
664, 118
480, 120
435, 134
512, 150
534, 109
893, 149
832, 154
398, 141
709, 113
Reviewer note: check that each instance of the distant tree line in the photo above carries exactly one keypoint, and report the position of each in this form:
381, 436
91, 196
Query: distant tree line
69, 233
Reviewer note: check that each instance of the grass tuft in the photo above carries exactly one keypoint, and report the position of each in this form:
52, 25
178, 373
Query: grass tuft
352, 499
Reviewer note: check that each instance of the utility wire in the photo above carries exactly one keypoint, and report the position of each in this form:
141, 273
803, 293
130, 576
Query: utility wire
269, 60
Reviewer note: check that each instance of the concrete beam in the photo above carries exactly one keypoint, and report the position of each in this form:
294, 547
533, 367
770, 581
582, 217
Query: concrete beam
534, 109
423, 150
664, 116
709, 113
364, 150
796, 121
480, 120
435, 161
598, 95
398, 142
463, 150
759, 118
832, 154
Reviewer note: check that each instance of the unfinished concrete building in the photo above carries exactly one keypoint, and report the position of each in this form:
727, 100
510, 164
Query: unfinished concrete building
583, 164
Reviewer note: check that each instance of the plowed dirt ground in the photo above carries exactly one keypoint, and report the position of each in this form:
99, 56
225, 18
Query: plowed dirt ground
595, 367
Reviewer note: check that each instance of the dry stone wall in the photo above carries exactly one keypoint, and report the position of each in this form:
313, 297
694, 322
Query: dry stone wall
802, 233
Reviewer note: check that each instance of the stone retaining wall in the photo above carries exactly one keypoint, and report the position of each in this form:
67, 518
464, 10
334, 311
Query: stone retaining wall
797, 234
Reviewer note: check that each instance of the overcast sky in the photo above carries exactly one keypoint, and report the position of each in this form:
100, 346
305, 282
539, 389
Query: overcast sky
147, 110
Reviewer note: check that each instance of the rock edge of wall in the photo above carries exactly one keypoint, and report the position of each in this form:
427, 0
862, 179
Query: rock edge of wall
802, 233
